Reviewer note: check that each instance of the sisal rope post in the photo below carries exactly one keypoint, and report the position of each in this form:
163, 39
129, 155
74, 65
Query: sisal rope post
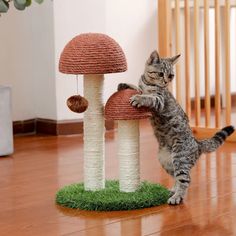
118, 108
94, 171
128, 154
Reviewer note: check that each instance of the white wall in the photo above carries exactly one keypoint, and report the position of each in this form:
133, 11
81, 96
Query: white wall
131, 23
32, 40
70, 19
26, 60
31, 43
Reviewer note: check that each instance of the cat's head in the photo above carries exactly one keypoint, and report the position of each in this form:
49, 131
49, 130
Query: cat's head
159, 71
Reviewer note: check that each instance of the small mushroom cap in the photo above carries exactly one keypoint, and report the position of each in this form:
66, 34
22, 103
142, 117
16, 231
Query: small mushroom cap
92, 53
77, 104
118, 107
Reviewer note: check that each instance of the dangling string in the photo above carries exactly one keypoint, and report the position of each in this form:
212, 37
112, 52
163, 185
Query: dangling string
77, 80
77, 103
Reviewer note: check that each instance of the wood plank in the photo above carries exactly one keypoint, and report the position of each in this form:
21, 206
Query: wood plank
217, 66
177, 51
41, 165
196, 64
227, 64
187, 58
215, 226
199, 219
170, 29
164, 31
207, 64
201, 4
164, 20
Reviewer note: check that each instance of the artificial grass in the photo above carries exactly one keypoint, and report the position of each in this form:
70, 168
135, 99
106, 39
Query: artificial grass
110, 198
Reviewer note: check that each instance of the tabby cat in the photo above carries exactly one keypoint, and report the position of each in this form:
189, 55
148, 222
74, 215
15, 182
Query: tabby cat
178, 148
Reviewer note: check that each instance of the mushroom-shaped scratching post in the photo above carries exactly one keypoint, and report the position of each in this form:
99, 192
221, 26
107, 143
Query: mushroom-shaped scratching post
118, 108
93, 55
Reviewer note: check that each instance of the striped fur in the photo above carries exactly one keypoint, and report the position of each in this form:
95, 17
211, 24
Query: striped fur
178, 148
210, 145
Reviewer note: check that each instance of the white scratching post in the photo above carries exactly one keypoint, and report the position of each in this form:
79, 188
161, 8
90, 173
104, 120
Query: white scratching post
94, 171
118, 108
6, 132
128, 154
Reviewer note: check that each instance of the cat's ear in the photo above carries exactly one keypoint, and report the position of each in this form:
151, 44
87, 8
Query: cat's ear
154, 58
174, 59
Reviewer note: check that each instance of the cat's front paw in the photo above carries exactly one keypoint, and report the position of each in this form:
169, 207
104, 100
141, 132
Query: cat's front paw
175, 200
122, 86
136, 101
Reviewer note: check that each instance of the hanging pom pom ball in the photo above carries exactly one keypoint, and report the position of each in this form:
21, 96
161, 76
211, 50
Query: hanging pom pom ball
77, 103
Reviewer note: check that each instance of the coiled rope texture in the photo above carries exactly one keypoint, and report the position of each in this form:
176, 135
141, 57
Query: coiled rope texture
94, 173
128, 154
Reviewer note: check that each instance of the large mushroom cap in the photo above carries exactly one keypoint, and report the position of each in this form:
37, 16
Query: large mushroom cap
92, 53
118, 107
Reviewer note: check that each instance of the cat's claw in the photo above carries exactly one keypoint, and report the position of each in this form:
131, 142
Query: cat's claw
135, 101
175, 200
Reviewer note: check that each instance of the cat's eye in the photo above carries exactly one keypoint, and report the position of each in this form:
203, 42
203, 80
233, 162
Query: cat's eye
171, 76
160, 74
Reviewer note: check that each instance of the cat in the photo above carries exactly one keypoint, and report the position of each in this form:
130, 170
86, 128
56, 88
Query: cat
178, 148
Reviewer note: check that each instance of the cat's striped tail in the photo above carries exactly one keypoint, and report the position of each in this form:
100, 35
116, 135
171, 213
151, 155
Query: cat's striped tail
211, 144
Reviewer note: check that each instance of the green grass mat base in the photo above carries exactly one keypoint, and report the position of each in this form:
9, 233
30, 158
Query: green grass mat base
110, 198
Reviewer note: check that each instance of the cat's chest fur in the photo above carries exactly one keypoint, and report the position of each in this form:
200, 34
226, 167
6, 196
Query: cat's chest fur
164, 156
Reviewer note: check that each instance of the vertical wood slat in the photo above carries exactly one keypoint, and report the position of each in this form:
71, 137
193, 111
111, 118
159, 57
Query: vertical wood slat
217, 66
177, 46
164, 42
187, 58
207, 72
196, 63
164, 30
170, 29
227, 63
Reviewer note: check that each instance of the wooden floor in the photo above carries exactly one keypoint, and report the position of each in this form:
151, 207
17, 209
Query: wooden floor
42, 164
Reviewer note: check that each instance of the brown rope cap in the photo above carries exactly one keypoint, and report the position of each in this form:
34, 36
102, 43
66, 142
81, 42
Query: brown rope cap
118, 107
92, 53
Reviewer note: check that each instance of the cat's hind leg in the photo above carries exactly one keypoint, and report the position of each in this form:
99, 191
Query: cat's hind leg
182, 166
166, 162
173, 190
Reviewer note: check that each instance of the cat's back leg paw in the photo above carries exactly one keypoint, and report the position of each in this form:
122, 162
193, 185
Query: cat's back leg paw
175, 200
